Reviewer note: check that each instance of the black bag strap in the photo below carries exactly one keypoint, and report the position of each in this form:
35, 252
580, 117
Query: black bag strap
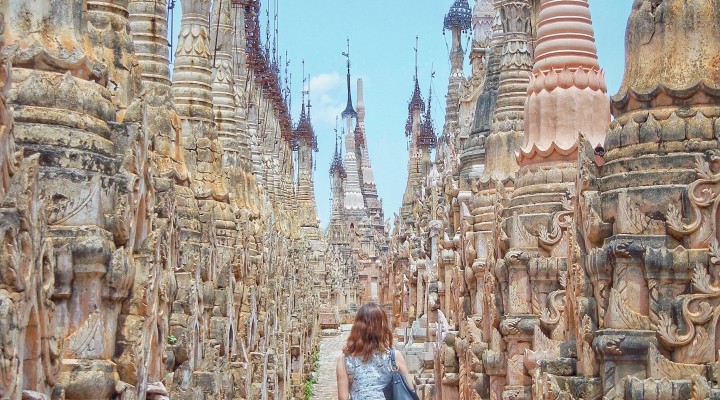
392, 359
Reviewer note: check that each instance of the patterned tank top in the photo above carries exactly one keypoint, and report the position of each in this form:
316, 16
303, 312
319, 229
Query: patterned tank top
367, 379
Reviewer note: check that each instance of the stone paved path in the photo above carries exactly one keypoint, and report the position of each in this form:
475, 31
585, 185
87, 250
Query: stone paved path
330, 349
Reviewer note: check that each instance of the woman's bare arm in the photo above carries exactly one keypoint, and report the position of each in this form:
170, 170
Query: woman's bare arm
343, 383
402, 367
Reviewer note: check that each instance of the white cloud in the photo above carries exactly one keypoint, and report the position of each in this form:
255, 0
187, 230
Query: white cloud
324, 82
325, 90
326, 113
327, 100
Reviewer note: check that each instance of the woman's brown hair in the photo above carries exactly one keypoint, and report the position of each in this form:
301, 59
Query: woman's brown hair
370, 332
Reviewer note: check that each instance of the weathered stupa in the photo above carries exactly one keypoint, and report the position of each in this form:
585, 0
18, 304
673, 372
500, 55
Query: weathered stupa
577, 255
141, 258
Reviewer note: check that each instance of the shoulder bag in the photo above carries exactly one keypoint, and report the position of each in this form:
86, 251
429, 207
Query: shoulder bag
398, 388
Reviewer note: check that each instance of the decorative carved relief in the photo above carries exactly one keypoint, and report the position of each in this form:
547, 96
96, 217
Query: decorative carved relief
701, 229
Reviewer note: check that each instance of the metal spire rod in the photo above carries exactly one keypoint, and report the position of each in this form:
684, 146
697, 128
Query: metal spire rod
288, 82
171, 24
417, 44
267, 33
305, 82
306, 89
336, 134
348, 55
275, 30
342, 136
308, 93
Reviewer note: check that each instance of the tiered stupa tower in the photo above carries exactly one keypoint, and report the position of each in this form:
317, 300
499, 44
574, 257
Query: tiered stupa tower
354, 202
358, 232
148, 26
487, 194
369, 190
652, 219
337, 231
240, 77
482, 20
67, 263
566, 97
419, 157
506, 131
457, 21
473, 149
452, 232
306, 144
338, 271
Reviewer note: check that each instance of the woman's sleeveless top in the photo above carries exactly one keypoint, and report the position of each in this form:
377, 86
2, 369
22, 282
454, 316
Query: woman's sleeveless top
367, 379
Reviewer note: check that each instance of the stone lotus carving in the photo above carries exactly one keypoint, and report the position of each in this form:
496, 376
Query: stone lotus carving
565, 82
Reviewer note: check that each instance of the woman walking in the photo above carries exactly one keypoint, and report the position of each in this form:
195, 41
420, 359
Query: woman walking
365, 366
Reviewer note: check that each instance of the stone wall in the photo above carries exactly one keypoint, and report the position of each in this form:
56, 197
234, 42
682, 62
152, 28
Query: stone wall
150, 226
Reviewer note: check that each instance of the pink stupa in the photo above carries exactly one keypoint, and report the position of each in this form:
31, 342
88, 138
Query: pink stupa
567, 92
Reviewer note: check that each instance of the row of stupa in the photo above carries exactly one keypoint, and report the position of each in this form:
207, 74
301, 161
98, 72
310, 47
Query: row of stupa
156, 243
563, 244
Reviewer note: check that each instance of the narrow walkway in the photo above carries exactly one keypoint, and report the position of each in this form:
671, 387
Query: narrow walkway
330, 350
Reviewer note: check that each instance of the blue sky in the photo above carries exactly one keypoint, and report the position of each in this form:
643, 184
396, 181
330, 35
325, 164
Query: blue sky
382, 37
